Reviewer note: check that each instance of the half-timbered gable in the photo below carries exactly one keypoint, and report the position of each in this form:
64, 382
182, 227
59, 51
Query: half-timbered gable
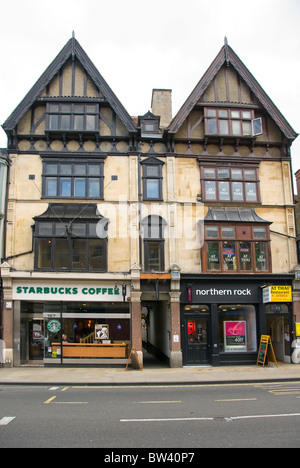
70, 108
223, 114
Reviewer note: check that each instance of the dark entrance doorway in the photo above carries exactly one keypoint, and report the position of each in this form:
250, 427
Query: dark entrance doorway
196, 336
155, 339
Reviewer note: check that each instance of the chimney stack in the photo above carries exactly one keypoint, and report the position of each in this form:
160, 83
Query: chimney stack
161, 104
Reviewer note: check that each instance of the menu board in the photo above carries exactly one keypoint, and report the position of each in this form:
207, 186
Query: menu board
264, 346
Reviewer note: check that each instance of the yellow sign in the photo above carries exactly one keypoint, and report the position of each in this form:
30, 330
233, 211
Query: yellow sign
277, 294
297, 329
265, 348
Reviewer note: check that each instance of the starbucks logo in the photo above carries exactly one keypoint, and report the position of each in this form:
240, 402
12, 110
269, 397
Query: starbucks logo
54, 326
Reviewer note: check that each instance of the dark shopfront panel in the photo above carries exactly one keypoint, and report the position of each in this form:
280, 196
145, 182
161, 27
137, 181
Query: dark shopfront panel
222, 321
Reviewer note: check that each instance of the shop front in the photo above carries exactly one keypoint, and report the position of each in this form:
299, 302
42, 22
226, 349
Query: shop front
84, 323
222, 319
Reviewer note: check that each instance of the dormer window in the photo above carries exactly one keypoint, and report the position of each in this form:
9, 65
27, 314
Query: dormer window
233, 122
149, 125
72, 117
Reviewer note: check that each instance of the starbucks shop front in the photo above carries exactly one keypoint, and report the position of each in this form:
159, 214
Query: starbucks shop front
71, 322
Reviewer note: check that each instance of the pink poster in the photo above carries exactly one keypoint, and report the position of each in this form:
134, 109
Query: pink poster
235, 336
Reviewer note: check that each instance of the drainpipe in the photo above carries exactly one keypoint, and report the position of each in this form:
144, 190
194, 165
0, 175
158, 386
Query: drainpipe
8, 163
140, 207
22, 253
6, 205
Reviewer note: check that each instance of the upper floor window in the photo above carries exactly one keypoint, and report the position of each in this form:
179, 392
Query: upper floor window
236, 248
154, 259
74, 117
152, 179
65, 240
72, 179
149, 125
230, 184
235, 122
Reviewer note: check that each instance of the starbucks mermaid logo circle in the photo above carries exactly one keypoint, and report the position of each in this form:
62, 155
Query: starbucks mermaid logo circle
54, 326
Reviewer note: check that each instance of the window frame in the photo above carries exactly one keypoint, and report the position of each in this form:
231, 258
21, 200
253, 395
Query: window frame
72, 177
153, 233
72, 113
220, 118
148, 178
243, 184
62, 230
241, 234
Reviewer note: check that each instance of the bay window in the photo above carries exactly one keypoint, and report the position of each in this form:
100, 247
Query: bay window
236, 248
70, 243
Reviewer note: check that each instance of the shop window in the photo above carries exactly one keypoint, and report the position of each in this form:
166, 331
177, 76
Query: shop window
72, 179
153, 227
230, 184
69, 243
237, 328
80, 323
236, 248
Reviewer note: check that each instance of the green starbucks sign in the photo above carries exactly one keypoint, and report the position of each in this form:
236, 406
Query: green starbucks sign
54, 326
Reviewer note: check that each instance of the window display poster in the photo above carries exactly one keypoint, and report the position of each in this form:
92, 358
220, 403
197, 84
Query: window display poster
235, 336
102, 332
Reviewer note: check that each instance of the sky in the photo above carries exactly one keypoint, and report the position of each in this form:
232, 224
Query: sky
139, 45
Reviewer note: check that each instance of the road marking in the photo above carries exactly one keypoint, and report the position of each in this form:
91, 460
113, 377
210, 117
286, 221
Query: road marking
6, 420
70, 402
50, 399
124, 386
187, 385
283, 388
65, 402
64, 389
255, 416
166, 419
53, 388
239, 399
150, 402
283, 415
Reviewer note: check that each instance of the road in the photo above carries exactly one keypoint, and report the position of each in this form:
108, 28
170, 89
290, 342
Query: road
151, 417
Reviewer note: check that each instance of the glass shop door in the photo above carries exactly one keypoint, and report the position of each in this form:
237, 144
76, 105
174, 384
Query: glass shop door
52, 339
197, 340
36, 339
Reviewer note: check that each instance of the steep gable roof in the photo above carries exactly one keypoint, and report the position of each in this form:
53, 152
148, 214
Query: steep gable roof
227, 56
71, 49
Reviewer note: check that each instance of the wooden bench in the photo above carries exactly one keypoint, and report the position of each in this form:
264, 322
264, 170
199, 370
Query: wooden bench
92, 350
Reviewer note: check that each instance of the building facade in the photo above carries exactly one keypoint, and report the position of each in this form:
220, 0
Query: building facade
174, 235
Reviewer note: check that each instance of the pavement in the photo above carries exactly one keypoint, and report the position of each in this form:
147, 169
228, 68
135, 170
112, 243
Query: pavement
153, 373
